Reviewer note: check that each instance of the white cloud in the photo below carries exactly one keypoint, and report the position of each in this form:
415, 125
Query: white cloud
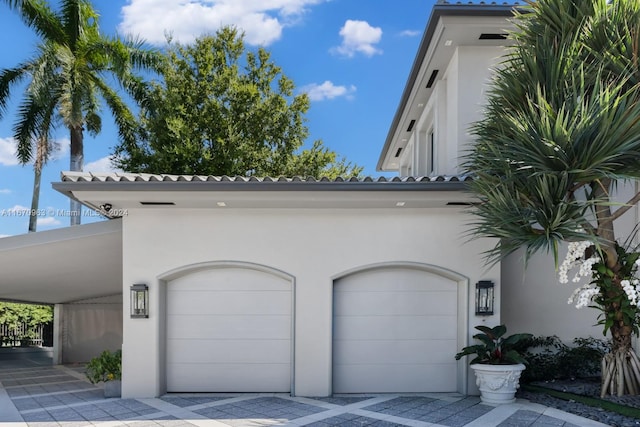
5, 191
4, 235
48, 221
261, 20
8, 152
327, 90
100, 165
410, 33
358, 36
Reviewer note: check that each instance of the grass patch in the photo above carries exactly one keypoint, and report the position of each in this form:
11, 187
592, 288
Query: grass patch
591, 401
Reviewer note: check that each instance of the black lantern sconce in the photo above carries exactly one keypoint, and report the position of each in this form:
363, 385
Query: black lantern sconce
139, 301
484, 298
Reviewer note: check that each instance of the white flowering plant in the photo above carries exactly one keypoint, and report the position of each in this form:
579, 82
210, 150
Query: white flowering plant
615, 293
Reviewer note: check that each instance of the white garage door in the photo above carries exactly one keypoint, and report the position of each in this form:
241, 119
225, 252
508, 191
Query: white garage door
395, 330
229, 330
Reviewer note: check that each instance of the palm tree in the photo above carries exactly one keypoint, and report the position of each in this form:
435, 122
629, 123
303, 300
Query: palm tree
560, 129
72, 66
36, 119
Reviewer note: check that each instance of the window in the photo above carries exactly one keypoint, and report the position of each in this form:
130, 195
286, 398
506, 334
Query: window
431, 152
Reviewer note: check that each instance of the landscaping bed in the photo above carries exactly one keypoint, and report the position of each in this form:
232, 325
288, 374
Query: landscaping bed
582, 397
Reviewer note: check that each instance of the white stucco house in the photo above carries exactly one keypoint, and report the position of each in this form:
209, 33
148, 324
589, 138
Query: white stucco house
305, 286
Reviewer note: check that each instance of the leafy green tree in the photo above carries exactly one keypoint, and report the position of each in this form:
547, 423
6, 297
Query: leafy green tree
70, 77
14, 315
560, 130
224, 110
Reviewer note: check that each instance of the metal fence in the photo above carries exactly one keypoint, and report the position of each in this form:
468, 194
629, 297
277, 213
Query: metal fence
23, 335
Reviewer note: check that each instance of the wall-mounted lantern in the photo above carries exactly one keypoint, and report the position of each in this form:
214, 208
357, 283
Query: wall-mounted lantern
484, 298
139, 301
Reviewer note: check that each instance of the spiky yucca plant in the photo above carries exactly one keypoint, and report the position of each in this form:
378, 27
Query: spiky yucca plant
561, 128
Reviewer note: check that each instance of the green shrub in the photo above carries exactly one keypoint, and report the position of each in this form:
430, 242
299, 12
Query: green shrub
549, 358
105, 367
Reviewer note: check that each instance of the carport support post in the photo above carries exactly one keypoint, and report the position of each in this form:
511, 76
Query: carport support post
57, 333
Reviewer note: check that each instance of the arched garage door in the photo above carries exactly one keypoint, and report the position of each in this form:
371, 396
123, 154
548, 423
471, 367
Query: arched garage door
229, 330
395, 330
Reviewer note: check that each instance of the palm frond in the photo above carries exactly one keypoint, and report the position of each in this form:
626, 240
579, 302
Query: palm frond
38, 16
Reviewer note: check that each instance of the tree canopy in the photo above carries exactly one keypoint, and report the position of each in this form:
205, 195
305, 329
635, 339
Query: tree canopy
221, 109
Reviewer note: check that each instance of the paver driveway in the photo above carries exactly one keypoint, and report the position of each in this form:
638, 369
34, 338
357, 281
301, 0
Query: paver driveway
48, 396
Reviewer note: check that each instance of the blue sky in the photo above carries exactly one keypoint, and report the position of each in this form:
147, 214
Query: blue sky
351, 56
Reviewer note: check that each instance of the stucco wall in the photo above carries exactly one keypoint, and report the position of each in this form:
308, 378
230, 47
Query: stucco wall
467, 76
313, 246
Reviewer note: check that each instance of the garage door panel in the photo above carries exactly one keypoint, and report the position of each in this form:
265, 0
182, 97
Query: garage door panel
230, 279
394, 378
229, 377
395, 330
229, 327
393, 327
405, 352
231, 351
232, 302
383, 280
229, 330
392, 302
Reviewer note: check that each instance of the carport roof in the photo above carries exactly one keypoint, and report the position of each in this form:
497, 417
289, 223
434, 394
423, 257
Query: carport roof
62, 265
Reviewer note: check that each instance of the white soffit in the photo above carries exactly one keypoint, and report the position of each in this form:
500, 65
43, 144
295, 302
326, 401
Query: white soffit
62, 265
453, 26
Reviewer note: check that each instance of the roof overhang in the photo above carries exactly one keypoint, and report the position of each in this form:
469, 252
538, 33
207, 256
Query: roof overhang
62, 265
113, 194
449, 26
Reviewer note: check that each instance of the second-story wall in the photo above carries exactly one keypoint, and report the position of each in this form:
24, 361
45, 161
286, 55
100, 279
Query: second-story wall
441, 136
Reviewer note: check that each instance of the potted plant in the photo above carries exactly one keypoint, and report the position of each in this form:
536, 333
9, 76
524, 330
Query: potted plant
107, 368
497, 364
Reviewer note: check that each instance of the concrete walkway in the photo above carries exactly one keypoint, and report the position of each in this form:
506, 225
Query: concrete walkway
46, 396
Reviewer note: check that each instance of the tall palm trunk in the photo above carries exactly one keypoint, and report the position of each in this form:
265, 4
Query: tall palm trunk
77, 162
38, 164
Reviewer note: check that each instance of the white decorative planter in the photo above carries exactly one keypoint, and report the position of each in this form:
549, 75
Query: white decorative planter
112, 388
498, 383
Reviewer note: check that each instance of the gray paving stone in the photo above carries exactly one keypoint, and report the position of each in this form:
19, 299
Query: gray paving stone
547, 421
37, 416
382, 423
342, 400
456, 421
66, 414
93, 413
146, 411
126, 416
26, 404
433, 417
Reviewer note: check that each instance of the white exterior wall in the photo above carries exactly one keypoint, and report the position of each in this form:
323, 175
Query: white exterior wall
314, 246
475, 69
455, 103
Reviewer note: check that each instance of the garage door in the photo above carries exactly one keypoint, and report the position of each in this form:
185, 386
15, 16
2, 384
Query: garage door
229, 330
395, 330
